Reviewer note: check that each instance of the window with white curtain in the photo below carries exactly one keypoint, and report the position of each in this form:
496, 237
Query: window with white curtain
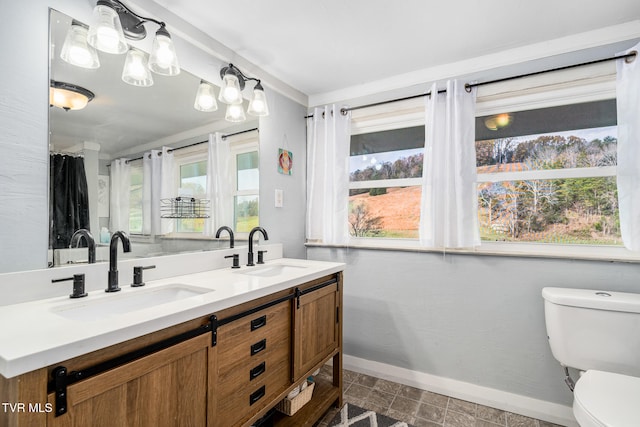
246, 194
135, 198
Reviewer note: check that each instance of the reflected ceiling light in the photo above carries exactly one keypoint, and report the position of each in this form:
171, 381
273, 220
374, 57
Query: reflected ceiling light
205, 98
112, 21
76, 51
498, 121
135, 71
235, 113
68, 96
233, 83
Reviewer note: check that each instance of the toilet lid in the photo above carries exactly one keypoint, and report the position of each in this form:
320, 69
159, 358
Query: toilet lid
607, 399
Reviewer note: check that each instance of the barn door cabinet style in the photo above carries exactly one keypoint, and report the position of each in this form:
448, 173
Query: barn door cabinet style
224, 370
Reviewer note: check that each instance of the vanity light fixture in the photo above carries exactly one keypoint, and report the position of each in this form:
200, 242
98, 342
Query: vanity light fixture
68, 96
233, 83
76, 51
205, 98
135, 71
113, 21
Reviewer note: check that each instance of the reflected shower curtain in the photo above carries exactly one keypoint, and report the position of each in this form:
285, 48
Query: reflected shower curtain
68, 199
449, 204
157, 184
328, 138
219, 185
119, 193
628, 175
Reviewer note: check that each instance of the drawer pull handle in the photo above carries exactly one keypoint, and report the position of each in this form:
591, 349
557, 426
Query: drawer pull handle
257, 395
257, 371
259, 322
259, 346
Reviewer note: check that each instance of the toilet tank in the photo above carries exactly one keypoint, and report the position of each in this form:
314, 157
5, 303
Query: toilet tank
590, 329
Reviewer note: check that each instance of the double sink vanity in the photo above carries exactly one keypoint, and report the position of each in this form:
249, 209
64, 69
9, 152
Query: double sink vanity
217, 347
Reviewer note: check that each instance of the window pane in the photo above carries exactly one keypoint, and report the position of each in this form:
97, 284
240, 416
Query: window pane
248, 172
246, 213
563, 211
193, 183
135, 200
385, 212
567, 136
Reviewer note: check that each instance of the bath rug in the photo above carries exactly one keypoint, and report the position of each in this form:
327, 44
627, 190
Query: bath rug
354, 416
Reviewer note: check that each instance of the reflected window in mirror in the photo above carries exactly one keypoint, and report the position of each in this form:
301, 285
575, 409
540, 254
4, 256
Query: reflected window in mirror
135, 199
246, 188
192, 183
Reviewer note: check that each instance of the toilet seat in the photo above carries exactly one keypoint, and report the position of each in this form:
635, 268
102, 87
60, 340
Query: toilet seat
605, 399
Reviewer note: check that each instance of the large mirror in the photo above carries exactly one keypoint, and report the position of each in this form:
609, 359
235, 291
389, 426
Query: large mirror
125, 121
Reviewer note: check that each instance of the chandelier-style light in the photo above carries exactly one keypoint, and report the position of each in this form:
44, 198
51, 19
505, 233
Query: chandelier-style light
111, 24
233, 83
68, 96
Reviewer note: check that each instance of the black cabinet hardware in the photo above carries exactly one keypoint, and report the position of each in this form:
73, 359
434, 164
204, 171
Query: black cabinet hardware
257, 395
259, 322
257, 371
258, 347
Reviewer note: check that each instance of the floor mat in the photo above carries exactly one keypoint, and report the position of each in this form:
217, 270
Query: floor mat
354, 416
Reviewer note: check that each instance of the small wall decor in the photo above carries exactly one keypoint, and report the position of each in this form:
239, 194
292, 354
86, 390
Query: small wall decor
285, 161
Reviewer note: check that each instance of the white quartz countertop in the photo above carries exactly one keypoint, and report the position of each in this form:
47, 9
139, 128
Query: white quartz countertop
40, 333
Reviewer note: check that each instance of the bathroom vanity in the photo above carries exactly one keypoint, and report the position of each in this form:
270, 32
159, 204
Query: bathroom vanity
221, 348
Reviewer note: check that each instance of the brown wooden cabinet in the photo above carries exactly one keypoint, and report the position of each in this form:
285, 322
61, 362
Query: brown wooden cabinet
224, 370
166, 388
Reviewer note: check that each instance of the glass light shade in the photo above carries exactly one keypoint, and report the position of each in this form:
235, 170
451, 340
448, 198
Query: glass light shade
135, 71
205, 98
258, 104
76, 51
163, 59
69, 97
230, 92
105, 32
235, 113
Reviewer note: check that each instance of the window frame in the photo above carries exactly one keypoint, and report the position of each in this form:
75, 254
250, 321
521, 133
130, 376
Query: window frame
242, 144
574, 86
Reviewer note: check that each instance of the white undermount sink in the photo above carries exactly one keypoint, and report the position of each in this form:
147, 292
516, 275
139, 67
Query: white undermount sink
272, 270
110, 305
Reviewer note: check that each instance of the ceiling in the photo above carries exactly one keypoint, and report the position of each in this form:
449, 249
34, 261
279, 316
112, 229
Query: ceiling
324, 46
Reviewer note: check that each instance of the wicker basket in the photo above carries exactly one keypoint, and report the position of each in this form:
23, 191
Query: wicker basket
291, 406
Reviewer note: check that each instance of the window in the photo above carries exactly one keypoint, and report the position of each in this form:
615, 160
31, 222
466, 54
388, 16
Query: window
135, 199
548, 175
246, 187
192, 184
385, 170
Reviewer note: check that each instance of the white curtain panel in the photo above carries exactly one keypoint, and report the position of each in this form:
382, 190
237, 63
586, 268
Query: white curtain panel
328, 138
449, 217
158, 182
119, 195
628, 178
219, 184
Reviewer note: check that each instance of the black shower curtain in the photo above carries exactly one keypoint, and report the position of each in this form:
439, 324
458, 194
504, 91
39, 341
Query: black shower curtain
68, 199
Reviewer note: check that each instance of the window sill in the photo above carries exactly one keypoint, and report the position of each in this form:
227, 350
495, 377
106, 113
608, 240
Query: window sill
519, 250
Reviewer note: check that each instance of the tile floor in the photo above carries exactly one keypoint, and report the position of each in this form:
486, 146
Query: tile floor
421, 408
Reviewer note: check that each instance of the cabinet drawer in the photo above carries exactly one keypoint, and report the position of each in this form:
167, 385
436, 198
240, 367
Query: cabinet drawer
248, 339
237, 376
236, 404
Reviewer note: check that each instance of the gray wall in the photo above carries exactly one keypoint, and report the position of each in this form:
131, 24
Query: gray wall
477, 319
284, 128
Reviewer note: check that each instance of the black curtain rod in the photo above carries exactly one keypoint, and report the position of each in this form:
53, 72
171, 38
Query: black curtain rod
197, 143
627, 57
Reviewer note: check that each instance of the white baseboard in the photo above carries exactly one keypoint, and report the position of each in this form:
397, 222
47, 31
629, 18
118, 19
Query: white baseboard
515, 403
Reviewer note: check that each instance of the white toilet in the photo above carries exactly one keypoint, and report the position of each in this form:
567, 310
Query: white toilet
598, 332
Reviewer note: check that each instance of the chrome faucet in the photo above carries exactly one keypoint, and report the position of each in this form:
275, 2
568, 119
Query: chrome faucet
88, 238
253, 231
113, 258
229, 230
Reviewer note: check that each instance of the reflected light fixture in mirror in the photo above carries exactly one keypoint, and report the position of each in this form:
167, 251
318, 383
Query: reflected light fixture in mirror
112, 21
205, 98
76, 51
233, 83
498, 121
135, 71
68, 96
